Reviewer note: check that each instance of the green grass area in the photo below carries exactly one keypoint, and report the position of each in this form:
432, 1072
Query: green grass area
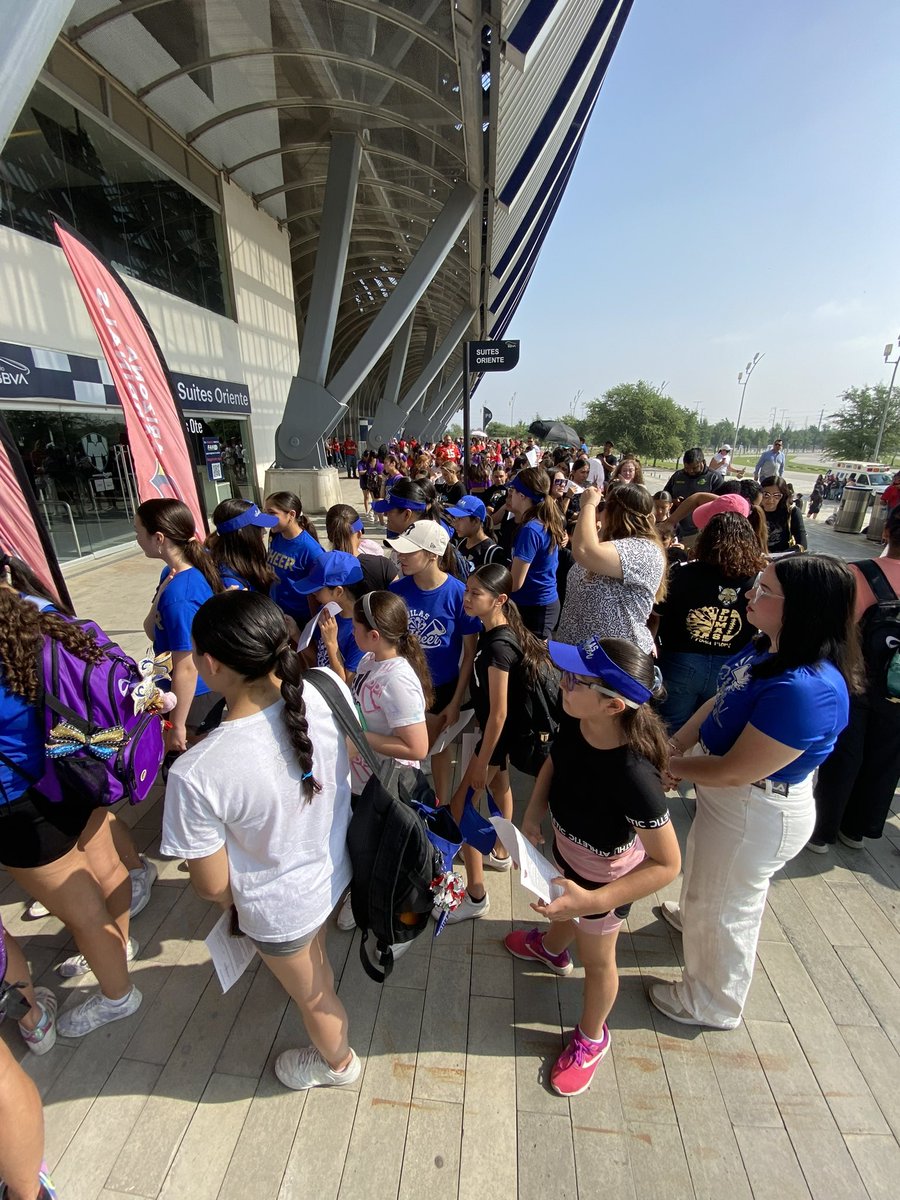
750, 460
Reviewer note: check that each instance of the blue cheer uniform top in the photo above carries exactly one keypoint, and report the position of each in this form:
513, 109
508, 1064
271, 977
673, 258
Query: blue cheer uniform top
175, 612
439, 621
350, 652
804, 707
292, 560
536, 546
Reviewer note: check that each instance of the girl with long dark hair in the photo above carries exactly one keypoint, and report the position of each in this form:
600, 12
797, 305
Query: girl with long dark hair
237, 546
751, 752
345, 529
784, 521
612, 837
293, 549
165, 530
505, 649
260, 811
535, 553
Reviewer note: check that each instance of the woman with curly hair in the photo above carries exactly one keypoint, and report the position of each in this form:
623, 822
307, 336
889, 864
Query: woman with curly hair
629, 470
703, 618
260, 811
619, 571
535, 552
61, 853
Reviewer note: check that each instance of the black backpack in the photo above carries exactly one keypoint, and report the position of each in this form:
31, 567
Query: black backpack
399, 843
880, 630
533, 715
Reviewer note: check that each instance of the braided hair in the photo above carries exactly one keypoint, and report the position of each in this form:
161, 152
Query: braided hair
246, 632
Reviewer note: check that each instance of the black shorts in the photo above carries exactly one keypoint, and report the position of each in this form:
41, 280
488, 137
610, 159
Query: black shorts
499, 755
541, 619
443, 694
35, 831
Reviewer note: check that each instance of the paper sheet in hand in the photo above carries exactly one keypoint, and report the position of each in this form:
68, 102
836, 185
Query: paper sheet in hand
310, 627
447, 736
230, 955
535, 870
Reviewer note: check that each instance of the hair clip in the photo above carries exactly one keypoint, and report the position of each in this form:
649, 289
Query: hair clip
306, 775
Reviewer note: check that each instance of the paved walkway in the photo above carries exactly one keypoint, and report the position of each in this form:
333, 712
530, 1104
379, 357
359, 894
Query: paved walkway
181, 1100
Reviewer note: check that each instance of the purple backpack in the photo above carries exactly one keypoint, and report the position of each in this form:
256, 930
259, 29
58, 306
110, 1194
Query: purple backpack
97, 745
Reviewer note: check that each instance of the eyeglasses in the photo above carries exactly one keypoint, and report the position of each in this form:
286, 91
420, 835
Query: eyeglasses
771, 495
570, 681
758, 590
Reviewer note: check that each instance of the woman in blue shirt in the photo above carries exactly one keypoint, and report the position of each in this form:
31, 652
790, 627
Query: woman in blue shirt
751, 751
292, 551
535, 553
165, 530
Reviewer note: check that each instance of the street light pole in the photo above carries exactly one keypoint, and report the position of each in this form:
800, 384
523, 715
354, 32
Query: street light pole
887, 404
745, 377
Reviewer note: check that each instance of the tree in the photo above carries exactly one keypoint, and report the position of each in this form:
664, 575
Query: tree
854, 427
638, 417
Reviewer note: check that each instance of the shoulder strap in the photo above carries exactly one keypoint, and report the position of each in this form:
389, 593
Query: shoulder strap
876, 579
345, 717
26, 775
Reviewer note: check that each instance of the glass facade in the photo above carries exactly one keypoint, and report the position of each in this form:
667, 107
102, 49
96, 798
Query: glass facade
58, 160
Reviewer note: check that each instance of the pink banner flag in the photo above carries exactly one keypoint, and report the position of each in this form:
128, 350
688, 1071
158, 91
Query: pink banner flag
22, 533
156, 434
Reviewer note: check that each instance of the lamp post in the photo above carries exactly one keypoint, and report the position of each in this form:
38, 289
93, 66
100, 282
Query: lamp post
887, 404
743, 380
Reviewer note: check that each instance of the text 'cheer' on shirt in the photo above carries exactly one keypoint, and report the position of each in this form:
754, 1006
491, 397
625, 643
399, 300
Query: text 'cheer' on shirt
22, 742
804, 708
350, 652
388, 697
176, 608
439, 621
291, 559
241, 788
598, 798
535, 545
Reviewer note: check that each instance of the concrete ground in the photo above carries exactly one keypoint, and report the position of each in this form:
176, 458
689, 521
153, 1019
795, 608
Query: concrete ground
180, 1100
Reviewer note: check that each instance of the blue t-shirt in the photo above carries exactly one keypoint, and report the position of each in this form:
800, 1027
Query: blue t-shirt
291, 559
350, 652
534, 545
439, 621
175, 614
806, 708
21, 741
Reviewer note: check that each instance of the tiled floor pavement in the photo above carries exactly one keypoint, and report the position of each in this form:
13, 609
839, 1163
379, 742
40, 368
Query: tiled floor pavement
181, 1101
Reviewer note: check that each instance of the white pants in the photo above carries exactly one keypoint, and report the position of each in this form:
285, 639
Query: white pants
740, 837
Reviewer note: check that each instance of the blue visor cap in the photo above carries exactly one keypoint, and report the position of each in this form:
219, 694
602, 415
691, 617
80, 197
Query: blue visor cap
469, 506
591, 659
358, 525
335, 569
534, 497
392, 501
251, 515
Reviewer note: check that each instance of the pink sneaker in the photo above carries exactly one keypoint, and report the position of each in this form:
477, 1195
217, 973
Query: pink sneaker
529, 944
574, 1069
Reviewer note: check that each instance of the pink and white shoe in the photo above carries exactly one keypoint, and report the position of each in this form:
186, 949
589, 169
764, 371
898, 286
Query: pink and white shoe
529, 943
574, 1069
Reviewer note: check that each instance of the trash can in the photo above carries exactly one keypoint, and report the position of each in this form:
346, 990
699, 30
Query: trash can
851, 515
876, 525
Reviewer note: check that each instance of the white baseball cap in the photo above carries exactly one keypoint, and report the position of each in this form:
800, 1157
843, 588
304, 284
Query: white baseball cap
725, 447
422, 535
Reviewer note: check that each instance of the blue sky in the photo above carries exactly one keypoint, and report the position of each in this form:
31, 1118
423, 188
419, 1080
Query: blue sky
737, 191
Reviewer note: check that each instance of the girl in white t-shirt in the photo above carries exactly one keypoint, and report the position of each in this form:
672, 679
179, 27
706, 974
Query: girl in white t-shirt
392, 689
260, 811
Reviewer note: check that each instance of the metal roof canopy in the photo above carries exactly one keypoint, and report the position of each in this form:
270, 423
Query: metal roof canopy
450, 102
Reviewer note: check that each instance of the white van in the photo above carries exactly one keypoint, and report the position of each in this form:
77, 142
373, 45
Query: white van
869, 474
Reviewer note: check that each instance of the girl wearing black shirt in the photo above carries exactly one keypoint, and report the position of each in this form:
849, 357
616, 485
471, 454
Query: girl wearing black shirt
784, 522
504, 647
475, 545
611, 831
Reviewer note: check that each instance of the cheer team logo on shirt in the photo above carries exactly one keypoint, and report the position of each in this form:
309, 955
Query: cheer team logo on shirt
429, 630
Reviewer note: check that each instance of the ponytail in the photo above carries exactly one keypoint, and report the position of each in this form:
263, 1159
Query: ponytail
497, 579
545, 510
387, 614
338, 526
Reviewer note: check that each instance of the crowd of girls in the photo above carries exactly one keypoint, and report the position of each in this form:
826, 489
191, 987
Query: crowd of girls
438, 616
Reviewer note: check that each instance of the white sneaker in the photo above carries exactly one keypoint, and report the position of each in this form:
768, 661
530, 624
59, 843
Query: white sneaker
142, 880
35, 910
345, 919
306, 1068
470, 909
499, 864
96, 1011
670, 911
43, 1037
78, 964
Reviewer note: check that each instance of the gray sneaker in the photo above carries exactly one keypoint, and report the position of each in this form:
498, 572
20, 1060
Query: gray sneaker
96, 1011
78, 964
142, 880
306, 1068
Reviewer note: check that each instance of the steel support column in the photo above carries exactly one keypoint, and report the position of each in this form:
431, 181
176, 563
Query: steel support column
29, 31
417, 422
384, 423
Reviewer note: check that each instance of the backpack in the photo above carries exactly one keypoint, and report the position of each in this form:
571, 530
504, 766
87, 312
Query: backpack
400, 844
96, 744
532, 719
880, 630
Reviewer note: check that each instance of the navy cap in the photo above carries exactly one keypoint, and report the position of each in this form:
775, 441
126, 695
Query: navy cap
591, 659
468, 506
250, 516
334, 569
